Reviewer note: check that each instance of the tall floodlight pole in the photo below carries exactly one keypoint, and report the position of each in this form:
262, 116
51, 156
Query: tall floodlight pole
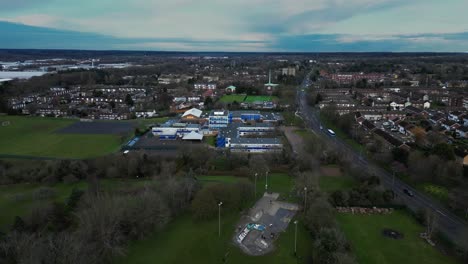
255, 191
219, 218
295, 238
305, 199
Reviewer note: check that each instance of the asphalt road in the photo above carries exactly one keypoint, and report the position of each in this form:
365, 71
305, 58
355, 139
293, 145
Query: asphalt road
448, 223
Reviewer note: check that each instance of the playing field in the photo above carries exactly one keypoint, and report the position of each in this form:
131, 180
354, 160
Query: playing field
369, 245
232, 98
40, 137
240, 98
251, 99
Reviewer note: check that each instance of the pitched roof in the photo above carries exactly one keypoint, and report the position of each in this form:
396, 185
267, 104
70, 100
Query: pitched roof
193, 136
389, 138
194, 112
368, 125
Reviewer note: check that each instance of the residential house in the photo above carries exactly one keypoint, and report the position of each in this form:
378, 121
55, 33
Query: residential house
392, 141
462, 131
450, 125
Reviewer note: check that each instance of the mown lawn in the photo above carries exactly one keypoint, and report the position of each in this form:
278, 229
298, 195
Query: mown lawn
35, 136
218, 179
232, 97
277, 182
369, 245
19, 200
331, 184
144, 122
189, 241
260, 98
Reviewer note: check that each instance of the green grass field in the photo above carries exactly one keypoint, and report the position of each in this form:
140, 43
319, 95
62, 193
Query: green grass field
248, 99
232, 98
18, 199
331, 184
277, 182
35, 136
188, 241
211, 140
218, 179
437, 192
142, 123
260, 98
370, 246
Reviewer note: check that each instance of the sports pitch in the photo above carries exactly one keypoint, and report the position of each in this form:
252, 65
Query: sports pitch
247, 98
41, 137
232, 98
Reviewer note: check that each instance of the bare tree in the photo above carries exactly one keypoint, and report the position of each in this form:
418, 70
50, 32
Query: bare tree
431, 223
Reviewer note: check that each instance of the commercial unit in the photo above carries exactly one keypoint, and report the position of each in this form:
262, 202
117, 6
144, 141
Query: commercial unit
241, 137
257, 116
171, 130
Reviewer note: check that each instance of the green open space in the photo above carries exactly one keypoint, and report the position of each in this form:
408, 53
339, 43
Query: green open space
369, 245
290, 119
435, 191
277, 182
327, 124
19, 199
232, 98
218, 179
189, 241
210, 140
143, 123
332, 184
36, 136
305, 134
260, 98
240, 98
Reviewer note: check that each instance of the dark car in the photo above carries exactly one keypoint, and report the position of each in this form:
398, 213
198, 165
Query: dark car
408, 192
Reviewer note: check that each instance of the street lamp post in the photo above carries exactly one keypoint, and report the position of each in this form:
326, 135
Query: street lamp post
295, 238
255, 192
266, 181
305, 199
219, 218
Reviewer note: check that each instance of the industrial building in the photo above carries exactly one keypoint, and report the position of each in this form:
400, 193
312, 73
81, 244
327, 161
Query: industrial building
239, 137
171, 130
219, 119
239, 131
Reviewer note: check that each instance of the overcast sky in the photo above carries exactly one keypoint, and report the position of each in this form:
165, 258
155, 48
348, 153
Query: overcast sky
245, 25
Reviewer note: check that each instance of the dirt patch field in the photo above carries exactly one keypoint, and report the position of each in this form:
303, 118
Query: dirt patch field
330, 171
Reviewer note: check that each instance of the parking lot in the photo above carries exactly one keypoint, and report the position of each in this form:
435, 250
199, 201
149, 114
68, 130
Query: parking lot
257, 231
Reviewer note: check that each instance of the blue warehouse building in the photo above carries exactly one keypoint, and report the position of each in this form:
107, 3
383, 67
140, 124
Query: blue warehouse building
219, 119
240, 137
171, 130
